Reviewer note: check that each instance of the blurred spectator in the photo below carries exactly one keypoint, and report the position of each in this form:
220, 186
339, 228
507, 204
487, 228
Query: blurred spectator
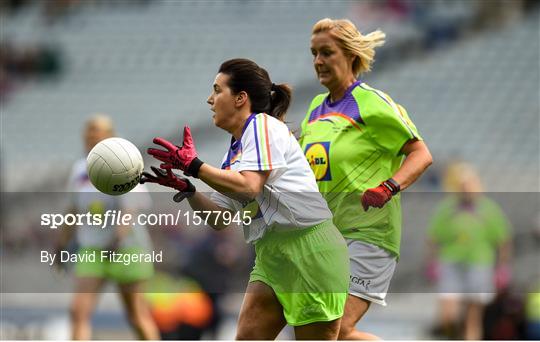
91, 274
469, 253
20, 63
443, 21
30, 61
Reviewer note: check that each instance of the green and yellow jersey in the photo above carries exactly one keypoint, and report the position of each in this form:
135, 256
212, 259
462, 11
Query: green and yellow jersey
354, 144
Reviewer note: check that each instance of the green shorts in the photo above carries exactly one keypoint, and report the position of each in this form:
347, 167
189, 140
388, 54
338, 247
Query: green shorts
118, 272
308, 270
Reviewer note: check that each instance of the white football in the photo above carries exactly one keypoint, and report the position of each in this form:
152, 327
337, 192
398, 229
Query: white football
114, 166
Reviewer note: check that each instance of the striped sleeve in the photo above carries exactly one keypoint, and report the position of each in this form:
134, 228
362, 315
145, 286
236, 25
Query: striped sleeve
264, 143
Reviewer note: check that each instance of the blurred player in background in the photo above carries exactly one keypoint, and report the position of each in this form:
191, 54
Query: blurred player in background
92, 276
300, 275
470, 243
356, 138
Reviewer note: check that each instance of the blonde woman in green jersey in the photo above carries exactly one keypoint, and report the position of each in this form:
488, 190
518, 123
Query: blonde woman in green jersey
363, 150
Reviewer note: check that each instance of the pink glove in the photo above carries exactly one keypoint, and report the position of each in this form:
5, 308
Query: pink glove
171, 180
502, 277
176, 157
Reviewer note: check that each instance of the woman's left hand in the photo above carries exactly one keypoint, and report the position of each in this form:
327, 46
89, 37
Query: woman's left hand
377, 197
176, 157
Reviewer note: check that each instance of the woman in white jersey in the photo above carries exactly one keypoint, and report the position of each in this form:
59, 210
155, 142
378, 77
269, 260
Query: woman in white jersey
300, 276
90, 275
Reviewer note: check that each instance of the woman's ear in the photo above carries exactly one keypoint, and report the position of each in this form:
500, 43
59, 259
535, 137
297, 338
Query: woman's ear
353, 58
240, 99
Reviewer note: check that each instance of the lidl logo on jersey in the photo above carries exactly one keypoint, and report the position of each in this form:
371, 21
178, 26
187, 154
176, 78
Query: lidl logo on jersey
317, 155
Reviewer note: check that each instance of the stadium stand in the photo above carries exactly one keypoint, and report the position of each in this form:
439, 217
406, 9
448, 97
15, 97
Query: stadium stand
478, 100
151, 67
472, 93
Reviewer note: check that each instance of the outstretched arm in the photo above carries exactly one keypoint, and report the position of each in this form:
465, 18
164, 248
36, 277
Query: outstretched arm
199, 202
241, 186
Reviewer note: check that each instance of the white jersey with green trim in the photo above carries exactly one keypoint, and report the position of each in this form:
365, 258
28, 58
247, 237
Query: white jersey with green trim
290, 198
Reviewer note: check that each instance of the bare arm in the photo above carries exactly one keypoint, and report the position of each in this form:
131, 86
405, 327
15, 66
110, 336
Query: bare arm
199, 202
417, 160
241, 186
244, 185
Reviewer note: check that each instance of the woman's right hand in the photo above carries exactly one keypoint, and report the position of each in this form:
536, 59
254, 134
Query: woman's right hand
169, 179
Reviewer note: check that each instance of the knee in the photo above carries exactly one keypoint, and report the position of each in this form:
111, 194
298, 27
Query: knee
244, 334
345, 331
241, 336
350, 333
347, 328
246, 331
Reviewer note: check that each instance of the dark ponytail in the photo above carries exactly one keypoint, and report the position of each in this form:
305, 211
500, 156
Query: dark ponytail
265, 96
280, 100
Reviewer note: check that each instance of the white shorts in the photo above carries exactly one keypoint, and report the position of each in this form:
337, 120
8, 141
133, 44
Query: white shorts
471, 282
372, 268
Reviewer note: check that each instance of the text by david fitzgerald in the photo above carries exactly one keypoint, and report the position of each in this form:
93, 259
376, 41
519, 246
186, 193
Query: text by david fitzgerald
101, 256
